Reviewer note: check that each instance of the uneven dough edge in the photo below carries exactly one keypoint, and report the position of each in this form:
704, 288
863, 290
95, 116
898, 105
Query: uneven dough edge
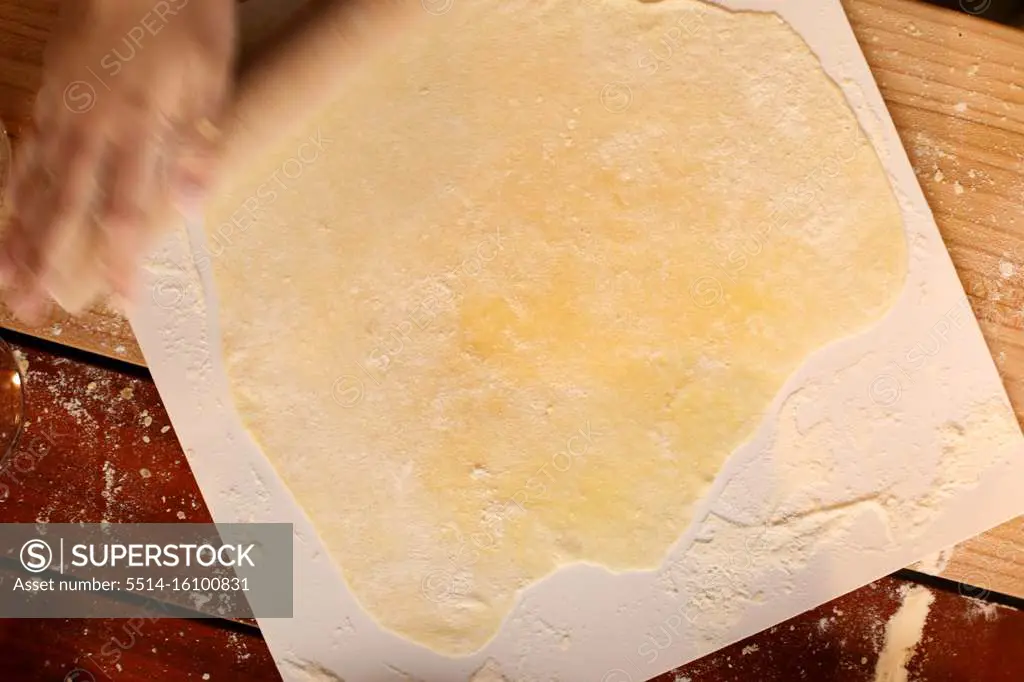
442, 585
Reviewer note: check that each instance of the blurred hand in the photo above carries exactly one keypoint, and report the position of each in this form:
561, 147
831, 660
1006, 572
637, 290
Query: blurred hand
125, 119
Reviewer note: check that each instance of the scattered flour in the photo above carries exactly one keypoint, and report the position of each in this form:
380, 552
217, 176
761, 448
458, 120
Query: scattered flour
960, 107
934, 563
928, 148
488, 672
902, 635
109, 490
306, 671
108, 478
22, 361
238, 644
750, 649
1006, 269
980, 609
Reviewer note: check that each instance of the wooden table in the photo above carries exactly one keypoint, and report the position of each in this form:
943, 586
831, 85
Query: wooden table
956, 96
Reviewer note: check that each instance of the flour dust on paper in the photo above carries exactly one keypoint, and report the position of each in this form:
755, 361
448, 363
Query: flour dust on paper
545, 290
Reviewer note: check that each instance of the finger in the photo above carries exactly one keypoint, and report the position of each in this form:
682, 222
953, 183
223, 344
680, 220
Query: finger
26, 156
27, 305
21, 196
51, 192
9, 257
131, 192
21, 298
69, 168
56, 196
21, 167
48, 107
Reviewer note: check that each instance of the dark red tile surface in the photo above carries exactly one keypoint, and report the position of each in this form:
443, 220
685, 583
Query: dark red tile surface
99, 446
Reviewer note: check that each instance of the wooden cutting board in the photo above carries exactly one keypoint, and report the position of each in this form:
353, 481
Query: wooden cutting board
954, 92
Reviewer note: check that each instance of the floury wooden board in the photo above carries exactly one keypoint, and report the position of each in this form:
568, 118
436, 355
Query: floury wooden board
882, 448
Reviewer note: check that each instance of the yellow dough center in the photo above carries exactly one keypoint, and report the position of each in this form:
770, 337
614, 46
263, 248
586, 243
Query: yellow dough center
548, 268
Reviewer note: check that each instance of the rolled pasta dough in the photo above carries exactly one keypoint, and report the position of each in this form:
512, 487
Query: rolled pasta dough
541, 271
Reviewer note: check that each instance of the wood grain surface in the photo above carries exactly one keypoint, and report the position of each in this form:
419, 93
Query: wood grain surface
954, 87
